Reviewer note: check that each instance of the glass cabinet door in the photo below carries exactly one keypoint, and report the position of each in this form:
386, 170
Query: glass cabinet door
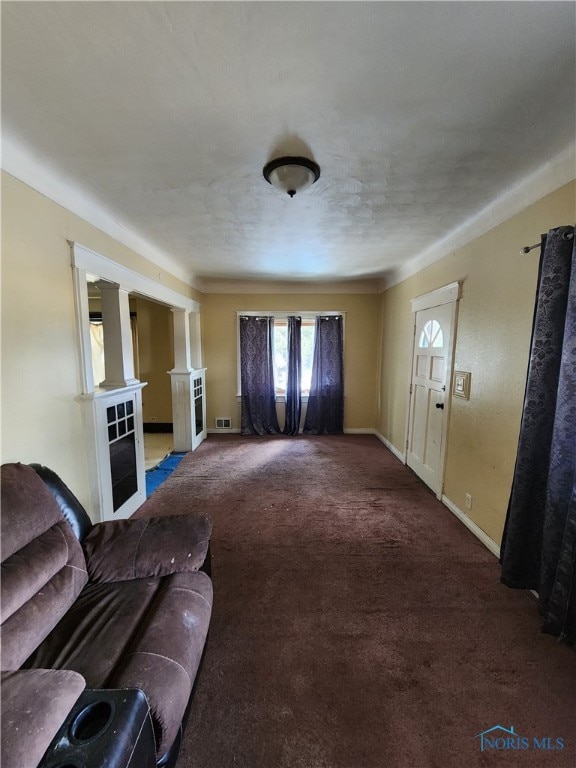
122, 448
198, 408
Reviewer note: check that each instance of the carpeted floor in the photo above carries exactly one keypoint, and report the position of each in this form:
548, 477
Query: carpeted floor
357, 623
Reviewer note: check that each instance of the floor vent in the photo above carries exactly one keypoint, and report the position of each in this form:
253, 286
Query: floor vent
223, 423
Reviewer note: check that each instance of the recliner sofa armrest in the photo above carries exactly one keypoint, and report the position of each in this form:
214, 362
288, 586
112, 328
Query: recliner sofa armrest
75, 514
120, 550
35, 703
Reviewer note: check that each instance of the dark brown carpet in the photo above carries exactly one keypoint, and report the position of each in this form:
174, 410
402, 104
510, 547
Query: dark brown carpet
357, 623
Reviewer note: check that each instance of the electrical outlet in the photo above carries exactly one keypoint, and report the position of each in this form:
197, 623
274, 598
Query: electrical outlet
468, 501
153, 418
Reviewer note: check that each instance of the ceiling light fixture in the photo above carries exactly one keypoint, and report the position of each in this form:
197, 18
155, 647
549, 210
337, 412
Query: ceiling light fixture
291, 174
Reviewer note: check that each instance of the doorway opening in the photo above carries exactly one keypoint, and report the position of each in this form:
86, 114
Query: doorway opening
115, 409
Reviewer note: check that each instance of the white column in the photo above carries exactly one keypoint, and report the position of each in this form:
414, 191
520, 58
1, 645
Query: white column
195, 340
182, 410
181, 340
82, 310
182, 390
118, 352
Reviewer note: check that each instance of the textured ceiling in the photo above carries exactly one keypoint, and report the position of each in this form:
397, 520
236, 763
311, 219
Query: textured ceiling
162, 116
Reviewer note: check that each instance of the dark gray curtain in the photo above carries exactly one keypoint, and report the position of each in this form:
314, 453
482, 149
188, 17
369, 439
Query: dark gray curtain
293, 385
325, 413
257, 376
539, 541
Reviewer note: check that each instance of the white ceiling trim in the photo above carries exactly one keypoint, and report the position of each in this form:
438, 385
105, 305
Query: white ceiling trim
206, 285
557, 172
552, 175
21, 164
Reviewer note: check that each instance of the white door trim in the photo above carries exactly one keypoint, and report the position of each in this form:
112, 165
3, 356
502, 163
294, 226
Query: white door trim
448, 294
443, 295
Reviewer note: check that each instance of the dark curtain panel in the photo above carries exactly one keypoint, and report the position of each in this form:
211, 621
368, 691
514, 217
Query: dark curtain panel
293, 386
539, 542
325, 413
257, 376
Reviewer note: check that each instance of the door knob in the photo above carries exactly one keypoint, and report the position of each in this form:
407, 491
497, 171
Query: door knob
440, 405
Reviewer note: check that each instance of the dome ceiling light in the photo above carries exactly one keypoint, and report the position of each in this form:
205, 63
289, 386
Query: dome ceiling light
291, 174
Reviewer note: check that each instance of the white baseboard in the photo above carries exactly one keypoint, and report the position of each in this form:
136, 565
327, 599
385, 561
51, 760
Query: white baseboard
391, 448
361, 431
223, 431
471, 525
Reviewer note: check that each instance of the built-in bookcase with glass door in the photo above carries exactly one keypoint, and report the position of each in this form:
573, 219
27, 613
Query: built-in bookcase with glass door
112, 407
118, 449
199, 407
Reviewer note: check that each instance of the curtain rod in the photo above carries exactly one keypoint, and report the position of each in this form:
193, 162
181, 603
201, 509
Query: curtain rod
528, 248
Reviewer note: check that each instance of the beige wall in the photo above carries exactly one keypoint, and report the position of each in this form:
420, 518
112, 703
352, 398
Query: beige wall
156, 358
41, 420
494, 326
360, 349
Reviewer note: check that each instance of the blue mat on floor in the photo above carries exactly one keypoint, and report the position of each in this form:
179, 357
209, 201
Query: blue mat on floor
156, 476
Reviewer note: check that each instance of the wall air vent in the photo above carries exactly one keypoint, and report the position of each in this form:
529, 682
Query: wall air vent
223, 423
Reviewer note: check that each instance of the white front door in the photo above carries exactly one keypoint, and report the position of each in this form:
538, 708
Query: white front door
429, 393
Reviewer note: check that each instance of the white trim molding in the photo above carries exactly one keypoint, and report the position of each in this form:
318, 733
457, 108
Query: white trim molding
241, 286
214, 431
281, 314
481, 535
555, 173
444, 295
359, 431
95, 264
28, 166
188, 388
472, 526
391, 447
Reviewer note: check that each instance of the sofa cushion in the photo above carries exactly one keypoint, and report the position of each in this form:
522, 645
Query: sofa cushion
120, 550
35, 703
27, 627
164, 659
29, 569
144, 633
43, 566
28, 508
97, 630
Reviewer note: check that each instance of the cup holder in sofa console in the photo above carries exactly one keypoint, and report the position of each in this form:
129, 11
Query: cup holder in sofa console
105, 729
91, 721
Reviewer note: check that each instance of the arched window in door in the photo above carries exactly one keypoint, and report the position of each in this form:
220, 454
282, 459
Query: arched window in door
431, 335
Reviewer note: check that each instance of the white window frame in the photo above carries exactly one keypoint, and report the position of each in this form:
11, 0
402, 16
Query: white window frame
283, 314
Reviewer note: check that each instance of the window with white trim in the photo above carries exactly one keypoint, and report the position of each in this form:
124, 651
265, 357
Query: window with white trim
280, 347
